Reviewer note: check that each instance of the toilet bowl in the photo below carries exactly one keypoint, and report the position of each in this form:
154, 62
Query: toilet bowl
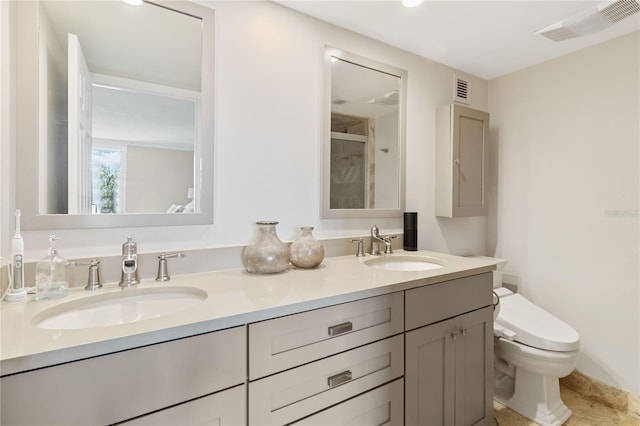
533, 349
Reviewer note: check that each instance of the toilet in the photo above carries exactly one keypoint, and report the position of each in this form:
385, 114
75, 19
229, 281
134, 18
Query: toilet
533, 349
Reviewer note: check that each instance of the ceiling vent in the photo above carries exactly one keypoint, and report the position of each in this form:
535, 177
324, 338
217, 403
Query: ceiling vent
461, 90
391, 98
617, 11
337, 100
591, 21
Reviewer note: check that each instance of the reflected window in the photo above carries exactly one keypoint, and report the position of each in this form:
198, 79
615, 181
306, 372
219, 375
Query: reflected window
106, 173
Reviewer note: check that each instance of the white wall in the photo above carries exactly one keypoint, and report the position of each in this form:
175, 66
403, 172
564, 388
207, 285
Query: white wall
565, 209
7, 131
157, 178
53, 144
268, 124
386, 163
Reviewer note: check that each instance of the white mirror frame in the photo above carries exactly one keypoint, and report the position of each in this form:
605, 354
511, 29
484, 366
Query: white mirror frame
326, 211
27, 134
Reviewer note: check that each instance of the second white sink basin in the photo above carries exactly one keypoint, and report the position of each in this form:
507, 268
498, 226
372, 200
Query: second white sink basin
126, 306
405, 263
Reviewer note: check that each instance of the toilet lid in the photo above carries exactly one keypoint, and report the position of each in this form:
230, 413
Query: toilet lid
536, 327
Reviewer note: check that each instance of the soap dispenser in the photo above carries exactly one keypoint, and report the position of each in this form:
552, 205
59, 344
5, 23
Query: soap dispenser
51, 274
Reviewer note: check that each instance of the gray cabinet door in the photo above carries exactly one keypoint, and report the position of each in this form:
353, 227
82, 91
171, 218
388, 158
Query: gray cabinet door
462, 138
449, 366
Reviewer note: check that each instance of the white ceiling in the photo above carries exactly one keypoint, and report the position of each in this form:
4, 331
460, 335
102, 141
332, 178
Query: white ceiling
483, 38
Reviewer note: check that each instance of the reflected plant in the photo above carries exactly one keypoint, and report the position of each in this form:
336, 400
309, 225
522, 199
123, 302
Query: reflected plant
108, 189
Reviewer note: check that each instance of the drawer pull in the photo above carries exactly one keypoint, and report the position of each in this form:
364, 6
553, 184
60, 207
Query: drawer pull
339, 378
345, 327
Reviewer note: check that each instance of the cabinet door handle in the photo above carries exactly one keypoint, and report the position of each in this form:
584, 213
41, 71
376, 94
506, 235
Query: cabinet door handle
339, 378
458, 333
345, 327
457, 161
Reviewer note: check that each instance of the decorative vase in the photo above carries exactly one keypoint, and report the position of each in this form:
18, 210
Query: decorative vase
266, 254
306, 251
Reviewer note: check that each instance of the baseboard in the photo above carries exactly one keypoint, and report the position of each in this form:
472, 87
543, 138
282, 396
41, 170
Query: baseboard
597, 391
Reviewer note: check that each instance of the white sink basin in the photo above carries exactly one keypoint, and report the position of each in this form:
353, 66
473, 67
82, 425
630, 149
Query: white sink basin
122, 307
405, 263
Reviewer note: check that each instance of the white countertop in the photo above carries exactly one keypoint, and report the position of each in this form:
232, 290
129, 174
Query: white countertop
234, 297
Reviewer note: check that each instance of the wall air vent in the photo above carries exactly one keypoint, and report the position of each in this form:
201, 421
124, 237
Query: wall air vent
591, 21
461, 90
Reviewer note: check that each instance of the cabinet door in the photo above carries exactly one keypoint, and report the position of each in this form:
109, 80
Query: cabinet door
226, 408
462, 161
429, 375
474, 368
449, 367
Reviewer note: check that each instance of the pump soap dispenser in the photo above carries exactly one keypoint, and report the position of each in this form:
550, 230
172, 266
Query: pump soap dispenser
51, 274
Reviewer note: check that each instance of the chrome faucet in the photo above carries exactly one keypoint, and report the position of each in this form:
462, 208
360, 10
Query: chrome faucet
376, 239
129, 274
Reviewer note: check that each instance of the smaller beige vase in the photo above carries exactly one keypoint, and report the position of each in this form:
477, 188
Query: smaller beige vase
306, 251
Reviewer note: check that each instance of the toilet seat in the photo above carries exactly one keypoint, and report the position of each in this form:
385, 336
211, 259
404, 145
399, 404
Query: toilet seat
533, 325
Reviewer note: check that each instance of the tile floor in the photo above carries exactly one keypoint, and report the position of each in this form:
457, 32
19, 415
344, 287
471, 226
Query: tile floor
585, 413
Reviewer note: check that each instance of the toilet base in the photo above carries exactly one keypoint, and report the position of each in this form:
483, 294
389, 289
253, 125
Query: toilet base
534, 396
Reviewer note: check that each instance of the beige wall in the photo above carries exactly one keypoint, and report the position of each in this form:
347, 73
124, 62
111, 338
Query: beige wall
565, 207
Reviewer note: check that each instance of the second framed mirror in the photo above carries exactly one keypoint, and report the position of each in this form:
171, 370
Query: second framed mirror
363, 137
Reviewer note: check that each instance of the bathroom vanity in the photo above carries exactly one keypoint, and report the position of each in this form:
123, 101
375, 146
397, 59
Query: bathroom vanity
347, 343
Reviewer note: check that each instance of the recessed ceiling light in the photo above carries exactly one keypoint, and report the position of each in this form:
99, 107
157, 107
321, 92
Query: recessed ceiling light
133, 2
411, 3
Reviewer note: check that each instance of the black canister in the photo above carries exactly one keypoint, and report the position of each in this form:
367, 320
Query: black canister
411, 231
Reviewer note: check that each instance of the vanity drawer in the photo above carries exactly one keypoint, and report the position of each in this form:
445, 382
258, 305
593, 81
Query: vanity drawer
437, 302
226, 408
285, 342
112, 388
383, 406
297, 393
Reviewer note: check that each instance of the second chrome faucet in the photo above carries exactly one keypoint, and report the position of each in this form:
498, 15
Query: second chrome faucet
376, 240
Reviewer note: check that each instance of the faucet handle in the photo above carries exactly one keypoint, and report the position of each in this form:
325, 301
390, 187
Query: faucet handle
388, 249
360, 241
93, 280
163, 272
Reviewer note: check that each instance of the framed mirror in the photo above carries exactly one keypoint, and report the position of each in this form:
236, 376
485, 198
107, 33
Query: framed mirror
115, 114
363, 141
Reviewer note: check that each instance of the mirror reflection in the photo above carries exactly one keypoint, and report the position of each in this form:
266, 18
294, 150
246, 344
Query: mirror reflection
364, 157
118, 126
